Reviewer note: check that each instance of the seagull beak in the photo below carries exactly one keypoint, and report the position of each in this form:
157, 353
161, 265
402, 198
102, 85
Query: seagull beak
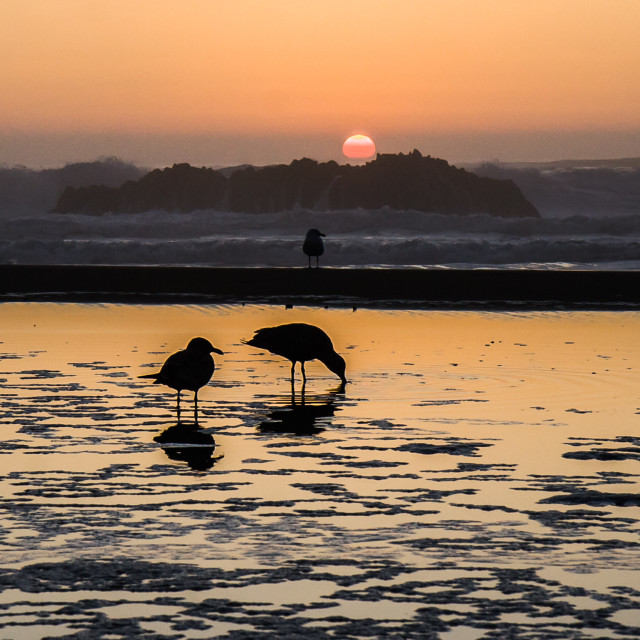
214, 350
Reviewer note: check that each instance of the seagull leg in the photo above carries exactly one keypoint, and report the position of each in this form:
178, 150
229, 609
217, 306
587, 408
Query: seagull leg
304, 374
317, 259
178, 407
293, 374
195, 409
309, 262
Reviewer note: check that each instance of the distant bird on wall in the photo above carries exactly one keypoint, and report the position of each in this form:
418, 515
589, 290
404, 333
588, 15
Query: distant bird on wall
188, 369
300, 342
313, 245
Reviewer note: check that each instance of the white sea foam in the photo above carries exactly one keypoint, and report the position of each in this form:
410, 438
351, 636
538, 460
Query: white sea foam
354, 238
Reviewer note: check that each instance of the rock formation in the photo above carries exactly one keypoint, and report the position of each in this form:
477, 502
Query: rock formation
397, 181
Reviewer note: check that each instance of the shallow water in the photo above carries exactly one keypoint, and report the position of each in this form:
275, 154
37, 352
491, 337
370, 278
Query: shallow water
478, 478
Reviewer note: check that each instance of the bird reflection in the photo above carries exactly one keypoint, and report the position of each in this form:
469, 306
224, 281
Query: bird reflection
299, 415
188, 443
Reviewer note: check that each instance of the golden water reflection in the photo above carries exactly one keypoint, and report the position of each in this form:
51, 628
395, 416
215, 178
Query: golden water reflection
476, 442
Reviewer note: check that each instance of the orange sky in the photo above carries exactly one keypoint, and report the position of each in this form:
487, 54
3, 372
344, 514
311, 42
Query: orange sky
274, 71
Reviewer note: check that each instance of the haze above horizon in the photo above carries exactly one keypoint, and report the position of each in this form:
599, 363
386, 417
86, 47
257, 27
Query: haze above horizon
161, 81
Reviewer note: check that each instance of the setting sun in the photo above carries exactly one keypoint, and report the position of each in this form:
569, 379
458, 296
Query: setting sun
228, 83
359, 146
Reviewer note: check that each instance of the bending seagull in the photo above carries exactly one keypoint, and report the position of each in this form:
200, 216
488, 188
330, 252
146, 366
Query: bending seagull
188, 369
313, 245
300, 342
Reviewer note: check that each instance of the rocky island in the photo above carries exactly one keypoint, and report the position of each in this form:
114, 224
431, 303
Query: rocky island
398, 181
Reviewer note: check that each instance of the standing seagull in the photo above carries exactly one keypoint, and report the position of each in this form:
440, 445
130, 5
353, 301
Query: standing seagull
188, 369
300, 342
313, 245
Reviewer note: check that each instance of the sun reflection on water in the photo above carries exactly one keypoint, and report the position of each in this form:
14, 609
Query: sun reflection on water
473, 458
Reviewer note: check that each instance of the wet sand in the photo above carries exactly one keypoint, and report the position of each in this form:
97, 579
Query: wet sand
478, 478
294, 286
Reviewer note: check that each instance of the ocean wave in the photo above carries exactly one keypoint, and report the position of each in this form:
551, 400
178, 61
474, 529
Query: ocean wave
354, 237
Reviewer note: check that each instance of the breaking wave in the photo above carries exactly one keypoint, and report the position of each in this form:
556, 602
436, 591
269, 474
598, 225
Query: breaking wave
354, 238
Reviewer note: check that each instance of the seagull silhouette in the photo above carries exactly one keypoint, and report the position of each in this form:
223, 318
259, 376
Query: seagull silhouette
313, 246
300, 342
188, 369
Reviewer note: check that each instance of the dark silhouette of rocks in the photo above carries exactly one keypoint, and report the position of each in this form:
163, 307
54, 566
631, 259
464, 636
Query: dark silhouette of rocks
179, 188
398, 181
303, 183
427, 184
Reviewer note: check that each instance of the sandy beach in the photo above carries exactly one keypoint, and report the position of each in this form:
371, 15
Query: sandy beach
479, 476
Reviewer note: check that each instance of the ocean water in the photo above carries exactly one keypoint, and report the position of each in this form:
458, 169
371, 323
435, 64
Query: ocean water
479, 477
353, 238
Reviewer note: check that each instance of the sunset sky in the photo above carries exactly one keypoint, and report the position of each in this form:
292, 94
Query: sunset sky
221, 82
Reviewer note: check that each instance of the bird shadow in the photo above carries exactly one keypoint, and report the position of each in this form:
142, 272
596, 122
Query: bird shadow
298, 414
186, 442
